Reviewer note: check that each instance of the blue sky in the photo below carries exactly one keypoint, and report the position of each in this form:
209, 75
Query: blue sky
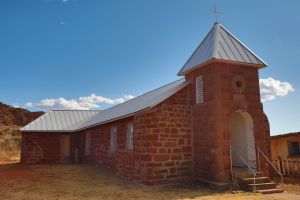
56, 53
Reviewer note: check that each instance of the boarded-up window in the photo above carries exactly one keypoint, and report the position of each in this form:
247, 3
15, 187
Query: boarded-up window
87, 143
199, 90
129, 136
113, 139
294, 149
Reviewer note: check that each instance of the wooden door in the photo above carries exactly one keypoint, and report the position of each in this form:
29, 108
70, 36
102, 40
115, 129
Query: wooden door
64, 148
242, 140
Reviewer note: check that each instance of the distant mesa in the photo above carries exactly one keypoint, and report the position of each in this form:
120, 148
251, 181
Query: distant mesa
11, 116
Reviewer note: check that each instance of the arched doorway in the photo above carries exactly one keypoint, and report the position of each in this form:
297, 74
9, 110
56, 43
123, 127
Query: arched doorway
242, 139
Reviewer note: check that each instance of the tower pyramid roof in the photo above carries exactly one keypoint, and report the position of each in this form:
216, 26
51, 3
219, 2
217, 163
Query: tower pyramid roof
220, 44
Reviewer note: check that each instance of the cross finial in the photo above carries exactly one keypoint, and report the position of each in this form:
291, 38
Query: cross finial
216, 13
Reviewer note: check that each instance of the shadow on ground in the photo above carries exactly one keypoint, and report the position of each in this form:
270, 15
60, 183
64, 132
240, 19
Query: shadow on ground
93, 182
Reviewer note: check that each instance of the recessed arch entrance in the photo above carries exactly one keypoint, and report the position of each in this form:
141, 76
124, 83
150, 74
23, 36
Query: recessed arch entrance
242, 139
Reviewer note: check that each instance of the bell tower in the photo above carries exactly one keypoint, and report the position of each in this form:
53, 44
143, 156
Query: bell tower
226, 106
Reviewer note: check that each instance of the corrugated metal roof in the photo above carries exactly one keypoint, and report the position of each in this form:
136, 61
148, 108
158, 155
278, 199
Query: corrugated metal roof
61, 120
142, 102
70, 121
285, 135
220, 44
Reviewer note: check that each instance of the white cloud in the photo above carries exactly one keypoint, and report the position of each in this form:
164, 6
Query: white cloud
271, 88
82, 103
93, 98
28, 104
15, 106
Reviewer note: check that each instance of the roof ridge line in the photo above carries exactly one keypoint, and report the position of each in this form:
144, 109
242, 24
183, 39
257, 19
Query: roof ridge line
223, 45
143, 94
72, 110
216, 40
83, 120
184, 84
194, 52
232, 35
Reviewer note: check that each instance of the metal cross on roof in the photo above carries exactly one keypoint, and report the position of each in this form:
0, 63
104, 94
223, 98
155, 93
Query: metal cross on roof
216, 13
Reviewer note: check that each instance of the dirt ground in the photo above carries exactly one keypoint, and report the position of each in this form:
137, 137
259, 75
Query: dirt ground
66, 182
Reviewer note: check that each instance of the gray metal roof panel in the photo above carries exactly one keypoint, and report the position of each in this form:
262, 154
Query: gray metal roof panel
142, 102
74, 120
220, 44
59, 120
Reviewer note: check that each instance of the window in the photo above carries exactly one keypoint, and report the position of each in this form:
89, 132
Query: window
87, 143
238, 83
294, 148
199, 90
113, 139
129, 136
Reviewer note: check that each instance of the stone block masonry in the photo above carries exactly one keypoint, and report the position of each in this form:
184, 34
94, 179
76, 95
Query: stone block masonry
162, 141
211, 128
40, 148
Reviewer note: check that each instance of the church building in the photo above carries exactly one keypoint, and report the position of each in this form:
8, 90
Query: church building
200, 127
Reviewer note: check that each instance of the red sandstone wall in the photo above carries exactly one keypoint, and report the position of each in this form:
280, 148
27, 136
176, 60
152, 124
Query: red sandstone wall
267, 136
176, 139
45, 147
162, 143
211, 119
121, 161
75, 143
39, 148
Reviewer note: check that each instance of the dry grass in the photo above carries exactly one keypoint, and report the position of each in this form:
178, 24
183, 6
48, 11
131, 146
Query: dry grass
92, 182
291, 185
10, 140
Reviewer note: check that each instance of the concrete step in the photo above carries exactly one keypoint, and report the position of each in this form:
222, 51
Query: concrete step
262, 179
263, 186
258, 174
270, 191
246, 174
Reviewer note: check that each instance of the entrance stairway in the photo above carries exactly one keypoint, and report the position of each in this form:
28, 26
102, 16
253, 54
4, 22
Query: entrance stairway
251, 178
243, 179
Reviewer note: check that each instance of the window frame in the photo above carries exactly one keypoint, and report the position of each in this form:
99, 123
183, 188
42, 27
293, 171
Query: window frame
113, 139
294, 148
199, 89
129, 136
87, 150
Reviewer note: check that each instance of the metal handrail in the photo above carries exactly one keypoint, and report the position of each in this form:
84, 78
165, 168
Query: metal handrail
230, 152
278, 172
242, 159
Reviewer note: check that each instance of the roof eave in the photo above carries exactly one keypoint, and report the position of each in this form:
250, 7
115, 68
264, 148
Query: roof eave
215, 60
111, 120
132, 114
48, 131
285, 135
114, 119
